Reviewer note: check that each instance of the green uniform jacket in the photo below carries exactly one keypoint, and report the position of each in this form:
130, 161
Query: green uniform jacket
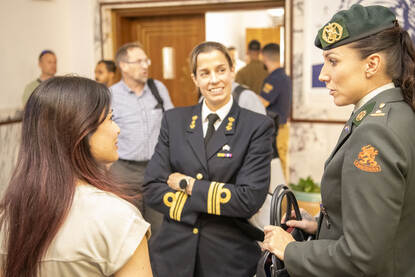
368, 192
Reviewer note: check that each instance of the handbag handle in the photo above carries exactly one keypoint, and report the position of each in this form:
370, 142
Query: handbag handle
280, 193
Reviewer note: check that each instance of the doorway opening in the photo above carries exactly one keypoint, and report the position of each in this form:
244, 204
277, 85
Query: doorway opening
169, 33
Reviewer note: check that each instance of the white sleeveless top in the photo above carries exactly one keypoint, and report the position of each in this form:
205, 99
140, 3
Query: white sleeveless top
99, 235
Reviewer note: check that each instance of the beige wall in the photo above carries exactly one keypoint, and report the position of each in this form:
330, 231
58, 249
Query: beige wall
28, 27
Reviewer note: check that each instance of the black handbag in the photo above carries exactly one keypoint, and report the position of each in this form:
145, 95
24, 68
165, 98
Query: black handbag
269, 265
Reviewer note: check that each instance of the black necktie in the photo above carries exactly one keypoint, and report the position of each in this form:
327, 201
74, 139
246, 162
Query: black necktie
211, 129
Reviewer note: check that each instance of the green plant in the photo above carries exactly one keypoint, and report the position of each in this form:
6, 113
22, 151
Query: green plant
306, 185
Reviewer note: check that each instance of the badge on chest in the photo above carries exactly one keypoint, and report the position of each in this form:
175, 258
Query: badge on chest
225, 152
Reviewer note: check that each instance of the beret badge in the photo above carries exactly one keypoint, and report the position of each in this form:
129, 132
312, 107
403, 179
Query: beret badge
356, 23
333, 32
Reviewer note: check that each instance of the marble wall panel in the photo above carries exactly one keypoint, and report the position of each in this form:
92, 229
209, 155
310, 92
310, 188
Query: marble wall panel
9, 141
310, 143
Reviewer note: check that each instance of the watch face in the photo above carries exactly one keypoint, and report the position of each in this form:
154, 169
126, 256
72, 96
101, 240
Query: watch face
183, 184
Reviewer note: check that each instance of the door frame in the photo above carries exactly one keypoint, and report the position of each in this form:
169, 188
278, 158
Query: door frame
113, 13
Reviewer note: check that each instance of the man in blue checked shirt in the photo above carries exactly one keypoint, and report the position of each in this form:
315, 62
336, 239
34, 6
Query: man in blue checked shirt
138, 113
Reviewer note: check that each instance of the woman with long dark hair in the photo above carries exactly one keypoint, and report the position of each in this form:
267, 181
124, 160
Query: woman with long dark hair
366, 225
62, 214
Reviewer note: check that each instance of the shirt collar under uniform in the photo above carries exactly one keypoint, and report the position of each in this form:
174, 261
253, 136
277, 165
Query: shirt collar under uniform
221, 112
372, 94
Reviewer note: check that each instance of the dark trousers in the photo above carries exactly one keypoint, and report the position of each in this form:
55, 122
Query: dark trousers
131, 173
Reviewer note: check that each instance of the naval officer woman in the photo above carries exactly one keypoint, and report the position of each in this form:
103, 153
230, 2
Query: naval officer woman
368, 186
210, 172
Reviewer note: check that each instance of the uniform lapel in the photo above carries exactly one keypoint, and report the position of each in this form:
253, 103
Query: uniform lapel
353, 121
347, 130
223, 134
390, 95
195, 135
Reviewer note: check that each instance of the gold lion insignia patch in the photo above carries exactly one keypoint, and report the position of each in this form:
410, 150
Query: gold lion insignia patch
366, 159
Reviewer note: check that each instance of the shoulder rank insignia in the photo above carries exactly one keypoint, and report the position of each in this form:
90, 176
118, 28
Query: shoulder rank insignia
217, 195
366, 159
267, 87
175, 201
193, 123
379, 111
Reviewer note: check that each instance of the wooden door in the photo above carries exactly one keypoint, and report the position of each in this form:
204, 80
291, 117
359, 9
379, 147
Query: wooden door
168, 41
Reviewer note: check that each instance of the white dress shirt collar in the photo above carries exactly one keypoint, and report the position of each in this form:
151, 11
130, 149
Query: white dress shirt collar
221, 112
372, 94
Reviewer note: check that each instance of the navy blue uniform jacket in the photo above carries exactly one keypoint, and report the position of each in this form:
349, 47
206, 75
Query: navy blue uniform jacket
200, 234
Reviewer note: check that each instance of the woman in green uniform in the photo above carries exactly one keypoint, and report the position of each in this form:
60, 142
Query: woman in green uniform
368, 187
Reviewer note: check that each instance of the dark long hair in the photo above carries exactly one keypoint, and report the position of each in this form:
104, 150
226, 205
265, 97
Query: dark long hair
54, 155
399, 52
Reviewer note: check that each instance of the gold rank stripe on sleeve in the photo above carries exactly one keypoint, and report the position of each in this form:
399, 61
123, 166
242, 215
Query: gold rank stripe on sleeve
175, 201
182, 198
215, 197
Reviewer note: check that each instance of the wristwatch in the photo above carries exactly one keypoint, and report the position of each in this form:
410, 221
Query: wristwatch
184, 183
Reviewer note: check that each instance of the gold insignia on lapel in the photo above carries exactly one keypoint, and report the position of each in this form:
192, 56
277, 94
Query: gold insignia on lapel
361, 115
366, 159
267, 87
217, 195
231, 120
382, 105
193, 123
175, 201
332, 32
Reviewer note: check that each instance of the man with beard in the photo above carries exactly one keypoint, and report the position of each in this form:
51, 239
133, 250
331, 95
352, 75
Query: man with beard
138, 103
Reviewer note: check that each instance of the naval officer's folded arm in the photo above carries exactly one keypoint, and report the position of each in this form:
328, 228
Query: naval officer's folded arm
245, 197
158, 194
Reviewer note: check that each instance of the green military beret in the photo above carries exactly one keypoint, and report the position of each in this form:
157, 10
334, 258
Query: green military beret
353, 24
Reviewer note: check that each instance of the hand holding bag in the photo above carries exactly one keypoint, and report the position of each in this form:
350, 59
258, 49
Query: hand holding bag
261, 218
269, 263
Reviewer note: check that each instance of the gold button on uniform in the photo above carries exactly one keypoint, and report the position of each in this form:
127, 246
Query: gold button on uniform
195, 231
199, 176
